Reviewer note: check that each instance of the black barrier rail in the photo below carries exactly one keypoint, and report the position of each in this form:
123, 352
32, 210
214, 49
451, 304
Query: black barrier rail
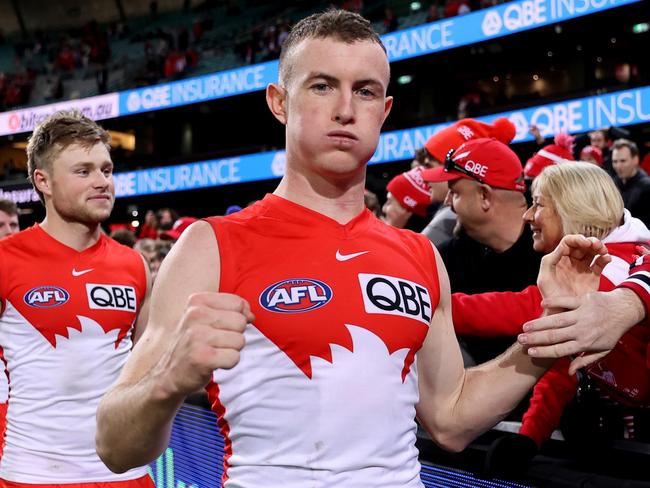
194, 458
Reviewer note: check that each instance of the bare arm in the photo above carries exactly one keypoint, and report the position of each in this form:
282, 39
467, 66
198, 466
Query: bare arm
192, 331
143, 315
456, 405
592, 324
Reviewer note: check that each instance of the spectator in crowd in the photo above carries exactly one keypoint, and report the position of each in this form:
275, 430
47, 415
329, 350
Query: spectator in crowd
602, 139
567, 199
486, 191
149, 228
407, 201
125, 237
147, 248
592, 154
161, 250
433, 13
166, 218
180, 225
8, 226
537, 135
493, 250
443, 223
355, 6
371, 202
8, 218
633, 182
422, 158
390, 20
558, 153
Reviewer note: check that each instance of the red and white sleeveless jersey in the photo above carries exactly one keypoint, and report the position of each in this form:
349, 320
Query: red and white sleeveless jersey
325, 392
65, 332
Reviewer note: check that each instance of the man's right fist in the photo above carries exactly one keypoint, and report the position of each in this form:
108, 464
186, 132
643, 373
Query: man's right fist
209, 336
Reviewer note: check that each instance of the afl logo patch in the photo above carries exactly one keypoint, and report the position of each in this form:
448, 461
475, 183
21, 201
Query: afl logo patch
295, 295
46, 297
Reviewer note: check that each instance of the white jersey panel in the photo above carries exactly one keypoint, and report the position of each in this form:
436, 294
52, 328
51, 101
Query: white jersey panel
55, 392
322, 431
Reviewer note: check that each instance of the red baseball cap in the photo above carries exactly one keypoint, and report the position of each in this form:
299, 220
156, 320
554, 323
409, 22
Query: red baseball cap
179, 226
439, 144
485, 160
411, 191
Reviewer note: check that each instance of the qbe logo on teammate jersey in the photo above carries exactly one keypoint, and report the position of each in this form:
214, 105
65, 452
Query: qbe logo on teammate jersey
111, 297
395, 296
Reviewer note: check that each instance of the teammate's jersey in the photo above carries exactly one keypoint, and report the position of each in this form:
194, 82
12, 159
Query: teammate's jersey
325, 392
65, 333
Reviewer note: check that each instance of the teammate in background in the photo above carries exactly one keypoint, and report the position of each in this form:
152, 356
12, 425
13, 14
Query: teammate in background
304, 314
8, 218
70, 300
8, 226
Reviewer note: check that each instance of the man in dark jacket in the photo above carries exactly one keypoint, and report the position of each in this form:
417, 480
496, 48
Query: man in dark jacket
631, 180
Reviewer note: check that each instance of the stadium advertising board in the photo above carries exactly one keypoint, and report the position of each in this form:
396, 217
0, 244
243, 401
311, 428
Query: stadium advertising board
498, 21
482, 25
622, 108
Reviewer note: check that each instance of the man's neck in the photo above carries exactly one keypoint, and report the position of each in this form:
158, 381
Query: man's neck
340, 200
630, 178
502, 234
72, 234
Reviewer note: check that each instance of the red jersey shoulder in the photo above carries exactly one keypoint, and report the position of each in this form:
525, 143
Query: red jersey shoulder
57, 289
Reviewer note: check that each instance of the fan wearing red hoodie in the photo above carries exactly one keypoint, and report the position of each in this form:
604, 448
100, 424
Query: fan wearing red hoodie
577, 198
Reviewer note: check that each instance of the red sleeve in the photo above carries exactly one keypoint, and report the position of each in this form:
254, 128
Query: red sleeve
551, 395
495, 314
639, 280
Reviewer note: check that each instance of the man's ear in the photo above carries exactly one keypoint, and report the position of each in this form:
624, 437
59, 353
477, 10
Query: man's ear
486, 194
42, 182
388, 104
276, 99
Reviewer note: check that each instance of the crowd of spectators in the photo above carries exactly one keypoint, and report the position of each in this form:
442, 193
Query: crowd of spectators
169, 51
492, 252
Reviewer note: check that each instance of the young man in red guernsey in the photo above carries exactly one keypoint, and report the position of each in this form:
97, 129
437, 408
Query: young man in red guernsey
70, 300
319, 331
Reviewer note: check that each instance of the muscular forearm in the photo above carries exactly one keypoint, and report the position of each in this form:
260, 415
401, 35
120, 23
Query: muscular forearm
134, 424
489, 393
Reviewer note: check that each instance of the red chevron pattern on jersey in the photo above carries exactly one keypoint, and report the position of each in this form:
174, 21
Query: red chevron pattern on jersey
306, 277
51, 285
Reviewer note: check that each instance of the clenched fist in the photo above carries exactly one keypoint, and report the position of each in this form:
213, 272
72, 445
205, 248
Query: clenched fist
209, 336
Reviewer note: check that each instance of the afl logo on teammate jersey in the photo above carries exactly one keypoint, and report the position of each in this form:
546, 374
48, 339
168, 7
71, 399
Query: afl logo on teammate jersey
295, 295
46, 297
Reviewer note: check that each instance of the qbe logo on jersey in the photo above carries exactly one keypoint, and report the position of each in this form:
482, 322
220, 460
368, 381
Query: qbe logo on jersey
111, 297
295, 295
395, 296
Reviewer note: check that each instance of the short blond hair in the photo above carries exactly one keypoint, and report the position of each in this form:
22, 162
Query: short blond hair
337, 24
56, 133
584, 196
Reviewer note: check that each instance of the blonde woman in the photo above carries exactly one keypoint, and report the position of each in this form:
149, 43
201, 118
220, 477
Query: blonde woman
572, 198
